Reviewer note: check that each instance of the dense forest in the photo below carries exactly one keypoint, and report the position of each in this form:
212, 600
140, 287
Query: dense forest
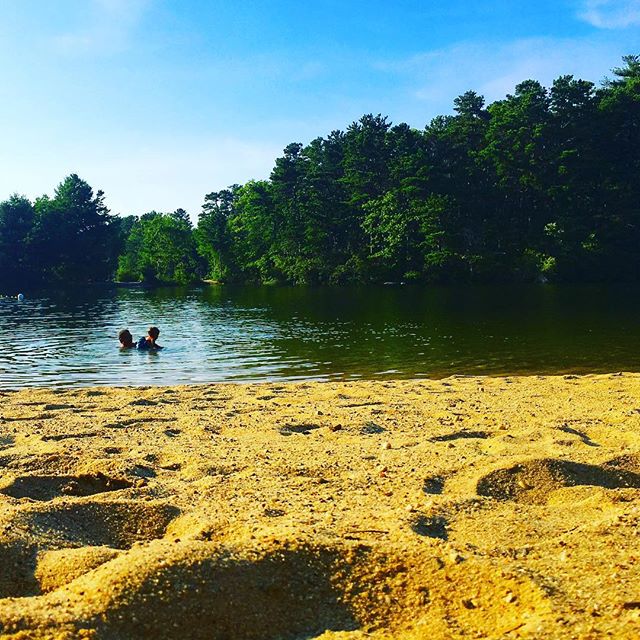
543, 185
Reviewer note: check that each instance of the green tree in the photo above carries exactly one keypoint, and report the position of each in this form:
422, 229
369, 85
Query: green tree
17, 219
541, 184
574, 182
73, 236
616, 233
253, 229
517, 148
212, 235
161, 248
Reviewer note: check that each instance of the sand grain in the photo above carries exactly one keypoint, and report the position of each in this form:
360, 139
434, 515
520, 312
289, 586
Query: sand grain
468, 507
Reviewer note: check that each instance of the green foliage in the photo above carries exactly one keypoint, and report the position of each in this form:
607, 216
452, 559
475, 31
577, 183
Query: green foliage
16, 259
542, 185
161, 248
212, 236
72, 234
69, 238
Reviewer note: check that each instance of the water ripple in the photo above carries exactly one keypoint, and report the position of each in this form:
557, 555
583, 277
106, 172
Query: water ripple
266, 334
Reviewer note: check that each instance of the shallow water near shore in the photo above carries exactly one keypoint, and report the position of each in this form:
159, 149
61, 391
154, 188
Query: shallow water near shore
223, 333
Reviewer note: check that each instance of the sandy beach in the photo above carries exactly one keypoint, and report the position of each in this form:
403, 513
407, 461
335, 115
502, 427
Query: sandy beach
467, 507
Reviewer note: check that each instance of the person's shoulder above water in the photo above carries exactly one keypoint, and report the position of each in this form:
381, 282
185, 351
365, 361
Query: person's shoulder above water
149, 341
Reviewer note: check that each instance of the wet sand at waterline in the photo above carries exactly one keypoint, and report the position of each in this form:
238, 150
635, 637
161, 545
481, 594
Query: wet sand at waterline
467, 507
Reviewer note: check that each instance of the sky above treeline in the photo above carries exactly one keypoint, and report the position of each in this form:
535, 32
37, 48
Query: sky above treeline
158, 102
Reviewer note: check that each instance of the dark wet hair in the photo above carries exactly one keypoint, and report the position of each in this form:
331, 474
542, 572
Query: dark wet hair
154, 332
122, 336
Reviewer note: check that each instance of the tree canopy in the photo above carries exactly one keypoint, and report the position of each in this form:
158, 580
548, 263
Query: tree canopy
541, 185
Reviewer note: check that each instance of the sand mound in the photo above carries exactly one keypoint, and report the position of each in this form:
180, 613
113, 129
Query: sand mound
59, 567
533, 481
279, 590
498, 508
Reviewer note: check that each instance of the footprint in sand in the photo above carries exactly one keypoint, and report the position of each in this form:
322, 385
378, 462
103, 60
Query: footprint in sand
580, 434
304, 429
6, 442
371, 428
49, 546
461, 435
45, 488
116, 524
430, 527
532, 481
69, 436
142, 402
273, 594
433, 485
112, 450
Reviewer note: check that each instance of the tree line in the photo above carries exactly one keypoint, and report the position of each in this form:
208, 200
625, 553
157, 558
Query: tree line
543, 185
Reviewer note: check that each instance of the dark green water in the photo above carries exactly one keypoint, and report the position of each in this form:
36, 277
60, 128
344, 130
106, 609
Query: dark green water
267, 333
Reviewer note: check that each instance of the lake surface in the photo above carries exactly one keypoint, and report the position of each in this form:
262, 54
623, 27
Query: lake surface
222, 333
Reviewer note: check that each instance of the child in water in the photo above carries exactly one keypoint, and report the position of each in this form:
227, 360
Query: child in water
148, 342
126, 339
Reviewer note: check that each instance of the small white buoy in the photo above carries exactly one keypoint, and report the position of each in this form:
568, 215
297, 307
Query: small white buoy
20, 297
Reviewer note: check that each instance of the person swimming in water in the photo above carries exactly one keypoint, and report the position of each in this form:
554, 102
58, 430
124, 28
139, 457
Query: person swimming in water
148, 342
126, 339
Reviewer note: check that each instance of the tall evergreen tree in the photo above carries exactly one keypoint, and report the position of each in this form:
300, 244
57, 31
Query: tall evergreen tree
72, 234
17, 266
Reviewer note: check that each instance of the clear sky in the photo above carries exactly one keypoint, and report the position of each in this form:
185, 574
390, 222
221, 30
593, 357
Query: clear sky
158, 102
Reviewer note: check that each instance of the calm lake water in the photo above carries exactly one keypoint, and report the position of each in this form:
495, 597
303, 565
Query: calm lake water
222, 333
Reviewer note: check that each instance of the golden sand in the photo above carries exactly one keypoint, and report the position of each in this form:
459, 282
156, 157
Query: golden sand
468, 507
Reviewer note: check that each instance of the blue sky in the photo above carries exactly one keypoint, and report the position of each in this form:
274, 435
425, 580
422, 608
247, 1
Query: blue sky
158, 102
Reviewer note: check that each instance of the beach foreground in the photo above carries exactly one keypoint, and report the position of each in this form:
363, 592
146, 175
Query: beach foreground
467, 507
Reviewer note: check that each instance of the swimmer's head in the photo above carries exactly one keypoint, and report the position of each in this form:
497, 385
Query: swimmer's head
125, 337
153, 332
